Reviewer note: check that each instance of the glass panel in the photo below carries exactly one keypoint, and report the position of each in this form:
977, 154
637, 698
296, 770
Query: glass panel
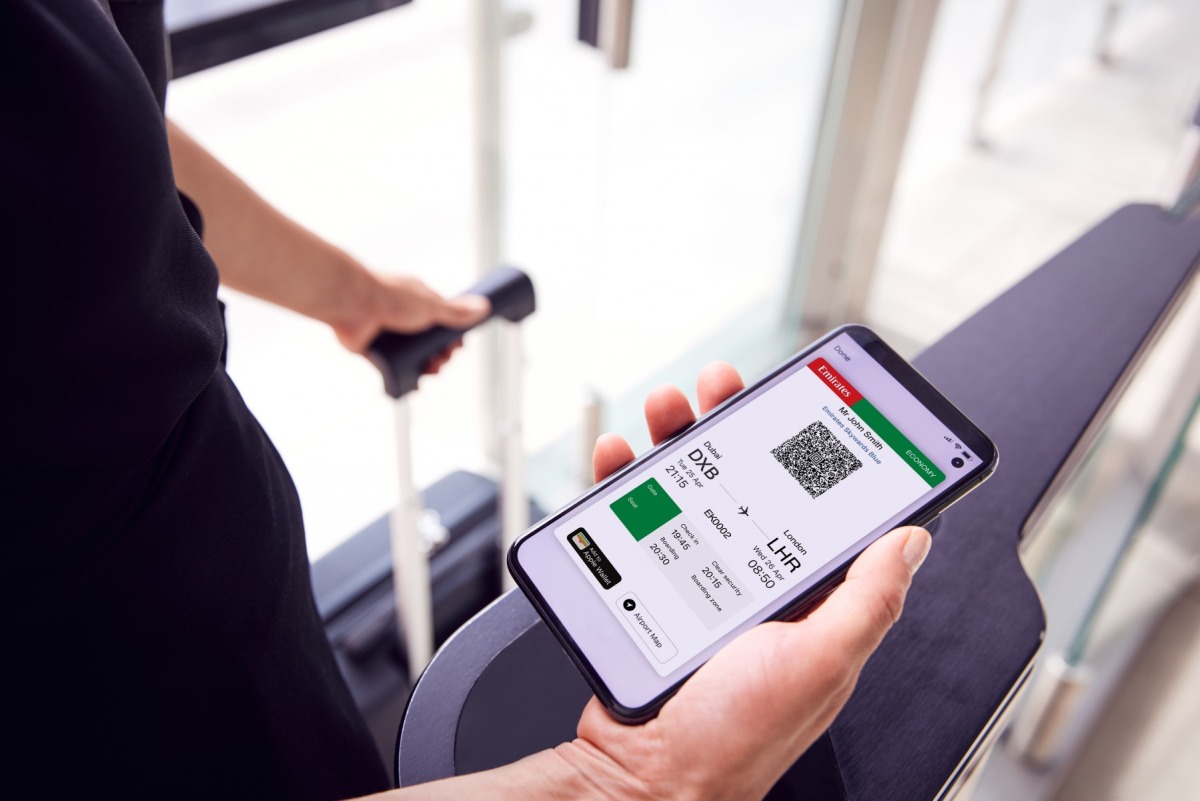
1118, 547
361, 133
655, 209
1069, 140
655, 206
1093, 528
1085, 635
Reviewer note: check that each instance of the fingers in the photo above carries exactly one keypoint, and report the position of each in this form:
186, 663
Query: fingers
667, 413
793, 678
462, 312
854, 619
439, 361
717, 382
610, 455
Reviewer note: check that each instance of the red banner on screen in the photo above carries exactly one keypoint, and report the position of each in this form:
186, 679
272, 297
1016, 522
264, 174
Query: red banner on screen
840, 386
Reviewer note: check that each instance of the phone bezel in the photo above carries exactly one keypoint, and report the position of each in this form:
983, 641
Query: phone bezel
895, 365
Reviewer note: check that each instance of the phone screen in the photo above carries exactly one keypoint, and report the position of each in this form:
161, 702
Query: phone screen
746, 510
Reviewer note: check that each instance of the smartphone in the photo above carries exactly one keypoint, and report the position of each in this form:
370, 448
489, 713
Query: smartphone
753, 513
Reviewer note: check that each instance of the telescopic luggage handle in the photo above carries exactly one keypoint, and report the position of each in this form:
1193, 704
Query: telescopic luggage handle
402, 358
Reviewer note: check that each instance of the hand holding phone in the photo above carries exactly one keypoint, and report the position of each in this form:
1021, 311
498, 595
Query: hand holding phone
754, 513
749, 713
744, 717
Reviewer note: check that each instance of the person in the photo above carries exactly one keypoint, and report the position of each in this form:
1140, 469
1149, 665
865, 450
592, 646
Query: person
164, 636
156, 570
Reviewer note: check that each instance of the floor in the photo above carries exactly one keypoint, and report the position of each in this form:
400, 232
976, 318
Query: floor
1143, 745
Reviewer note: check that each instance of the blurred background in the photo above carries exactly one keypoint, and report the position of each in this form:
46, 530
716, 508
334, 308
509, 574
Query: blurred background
726, 181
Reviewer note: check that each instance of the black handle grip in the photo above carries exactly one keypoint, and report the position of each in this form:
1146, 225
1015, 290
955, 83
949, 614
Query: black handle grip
403, 357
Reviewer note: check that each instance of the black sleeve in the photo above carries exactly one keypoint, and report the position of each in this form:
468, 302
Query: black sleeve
103, 350
156, 583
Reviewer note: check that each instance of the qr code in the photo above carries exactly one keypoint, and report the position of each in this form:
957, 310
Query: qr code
816, 459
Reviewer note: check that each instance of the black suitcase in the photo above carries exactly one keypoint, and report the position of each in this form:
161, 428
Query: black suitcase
452, 534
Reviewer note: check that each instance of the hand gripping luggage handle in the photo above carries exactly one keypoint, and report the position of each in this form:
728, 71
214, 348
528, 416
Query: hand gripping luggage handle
403, 357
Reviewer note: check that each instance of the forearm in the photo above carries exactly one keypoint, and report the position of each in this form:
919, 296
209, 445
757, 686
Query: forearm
260, 251
571, 771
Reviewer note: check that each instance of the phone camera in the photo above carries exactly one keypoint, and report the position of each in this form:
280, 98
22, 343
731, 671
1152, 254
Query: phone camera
957, 462
629, 605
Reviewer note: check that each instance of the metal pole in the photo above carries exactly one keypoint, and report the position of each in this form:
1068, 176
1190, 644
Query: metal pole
912, 32
501, 397
873, 79
983, 100
486, 41
514, 497
1108, 26
1037, 733
616, 32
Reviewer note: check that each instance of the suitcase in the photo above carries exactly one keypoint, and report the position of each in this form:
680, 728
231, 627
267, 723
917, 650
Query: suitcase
449, 541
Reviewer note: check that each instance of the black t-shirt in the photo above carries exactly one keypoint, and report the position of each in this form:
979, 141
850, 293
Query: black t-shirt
162, 637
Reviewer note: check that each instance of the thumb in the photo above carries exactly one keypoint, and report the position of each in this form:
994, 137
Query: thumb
462, 312
854, 619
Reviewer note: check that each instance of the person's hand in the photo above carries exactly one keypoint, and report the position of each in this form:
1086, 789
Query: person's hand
406, 305
745, 716
263, 252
